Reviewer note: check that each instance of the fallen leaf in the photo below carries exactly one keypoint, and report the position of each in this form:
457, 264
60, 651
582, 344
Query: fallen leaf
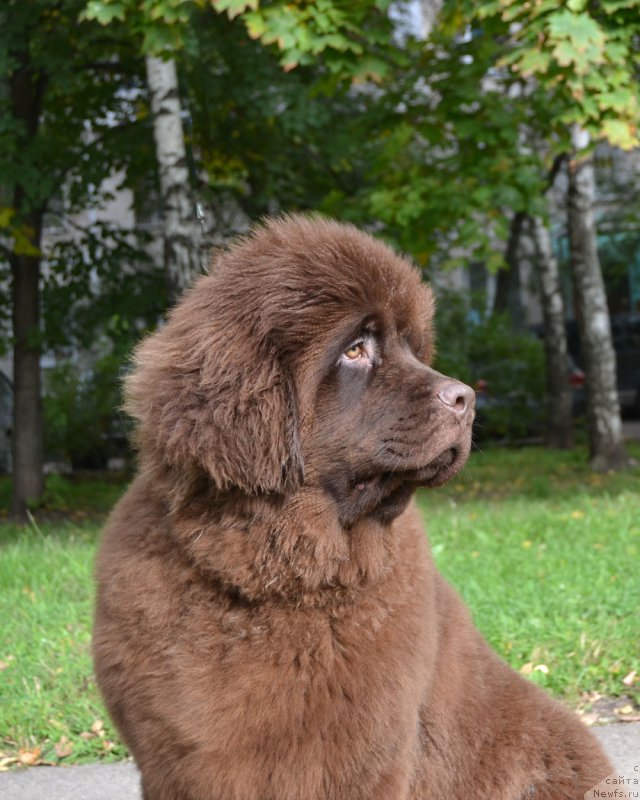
629, 679
97, 727
589, 718
627, 709
63, 748
526, 669
29, 757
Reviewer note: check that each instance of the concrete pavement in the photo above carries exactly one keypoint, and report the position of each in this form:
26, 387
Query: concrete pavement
120, 781
87, 782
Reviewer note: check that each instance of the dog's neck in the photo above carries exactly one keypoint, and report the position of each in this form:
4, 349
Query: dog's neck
291, 549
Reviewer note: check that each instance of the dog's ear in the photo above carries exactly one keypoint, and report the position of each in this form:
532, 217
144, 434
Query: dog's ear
205, 391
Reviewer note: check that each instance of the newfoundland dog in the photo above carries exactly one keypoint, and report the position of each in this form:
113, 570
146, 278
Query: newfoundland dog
270, 624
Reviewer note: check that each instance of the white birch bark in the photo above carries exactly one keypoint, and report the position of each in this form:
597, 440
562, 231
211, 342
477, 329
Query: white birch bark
559, 408
182, 232
606, 443
430, 10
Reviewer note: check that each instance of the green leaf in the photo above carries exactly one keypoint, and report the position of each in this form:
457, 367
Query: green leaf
595, 81
482, 195
234, 7
6, 215
495, 262
161, 38
616, 52
564, 53
23, 242
103, 11
255, 24
534, 62
581, 30
621, 100
611, 6
370, 68
620, 133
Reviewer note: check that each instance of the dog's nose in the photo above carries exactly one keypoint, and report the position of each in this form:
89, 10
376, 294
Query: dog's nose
459, 397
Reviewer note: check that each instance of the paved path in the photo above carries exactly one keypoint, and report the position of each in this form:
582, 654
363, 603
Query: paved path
120, 781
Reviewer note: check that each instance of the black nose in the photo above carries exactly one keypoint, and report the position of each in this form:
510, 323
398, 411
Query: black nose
459, 397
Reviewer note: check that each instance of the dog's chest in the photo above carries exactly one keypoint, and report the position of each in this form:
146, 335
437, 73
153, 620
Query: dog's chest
301, 700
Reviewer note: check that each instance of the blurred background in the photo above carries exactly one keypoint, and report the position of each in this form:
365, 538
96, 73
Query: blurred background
496, 142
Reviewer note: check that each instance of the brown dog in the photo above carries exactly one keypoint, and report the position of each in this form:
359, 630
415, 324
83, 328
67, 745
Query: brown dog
270, 624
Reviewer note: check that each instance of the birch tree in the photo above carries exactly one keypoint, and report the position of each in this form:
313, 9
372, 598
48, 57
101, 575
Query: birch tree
559, 400
182, 232
430, 10
582, 59
353, 43
606, 443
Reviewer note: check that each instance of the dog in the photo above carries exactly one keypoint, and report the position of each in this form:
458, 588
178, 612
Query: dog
269, 621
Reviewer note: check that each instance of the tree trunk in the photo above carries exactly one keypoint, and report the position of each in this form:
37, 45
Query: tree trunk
26, 92
182, 234
606, 443
28, 482
430, 10
559, 403
507, 296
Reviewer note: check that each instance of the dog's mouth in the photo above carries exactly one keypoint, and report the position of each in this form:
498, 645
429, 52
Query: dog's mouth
435, 473
385, 495
440, 470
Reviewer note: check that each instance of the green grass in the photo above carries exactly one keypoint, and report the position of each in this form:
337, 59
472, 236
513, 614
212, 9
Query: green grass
74, 498
544, 553
546, 556
49, 696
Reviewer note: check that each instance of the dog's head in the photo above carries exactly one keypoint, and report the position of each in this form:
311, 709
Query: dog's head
303, 358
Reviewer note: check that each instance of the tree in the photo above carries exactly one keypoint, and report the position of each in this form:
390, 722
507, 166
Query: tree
582, 59
26, 96
181, 230
603, 408
559, 419
62, 117
303, 34
584, 45
268, 139
68, 131
354, 42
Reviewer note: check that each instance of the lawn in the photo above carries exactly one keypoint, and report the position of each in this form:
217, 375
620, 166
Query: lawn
547, 557
544, 553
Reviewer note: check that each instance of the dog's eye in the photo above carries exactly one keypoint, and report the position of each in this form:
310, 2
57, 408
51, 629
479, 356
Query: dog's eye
355, 351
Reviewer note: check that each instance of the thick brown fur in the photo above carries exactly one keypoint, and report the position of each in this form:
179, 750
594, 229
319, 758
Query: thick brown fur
269, 622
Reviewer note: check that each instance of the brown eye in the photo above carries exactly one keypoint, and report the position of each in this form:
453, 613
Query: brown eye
355, 351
